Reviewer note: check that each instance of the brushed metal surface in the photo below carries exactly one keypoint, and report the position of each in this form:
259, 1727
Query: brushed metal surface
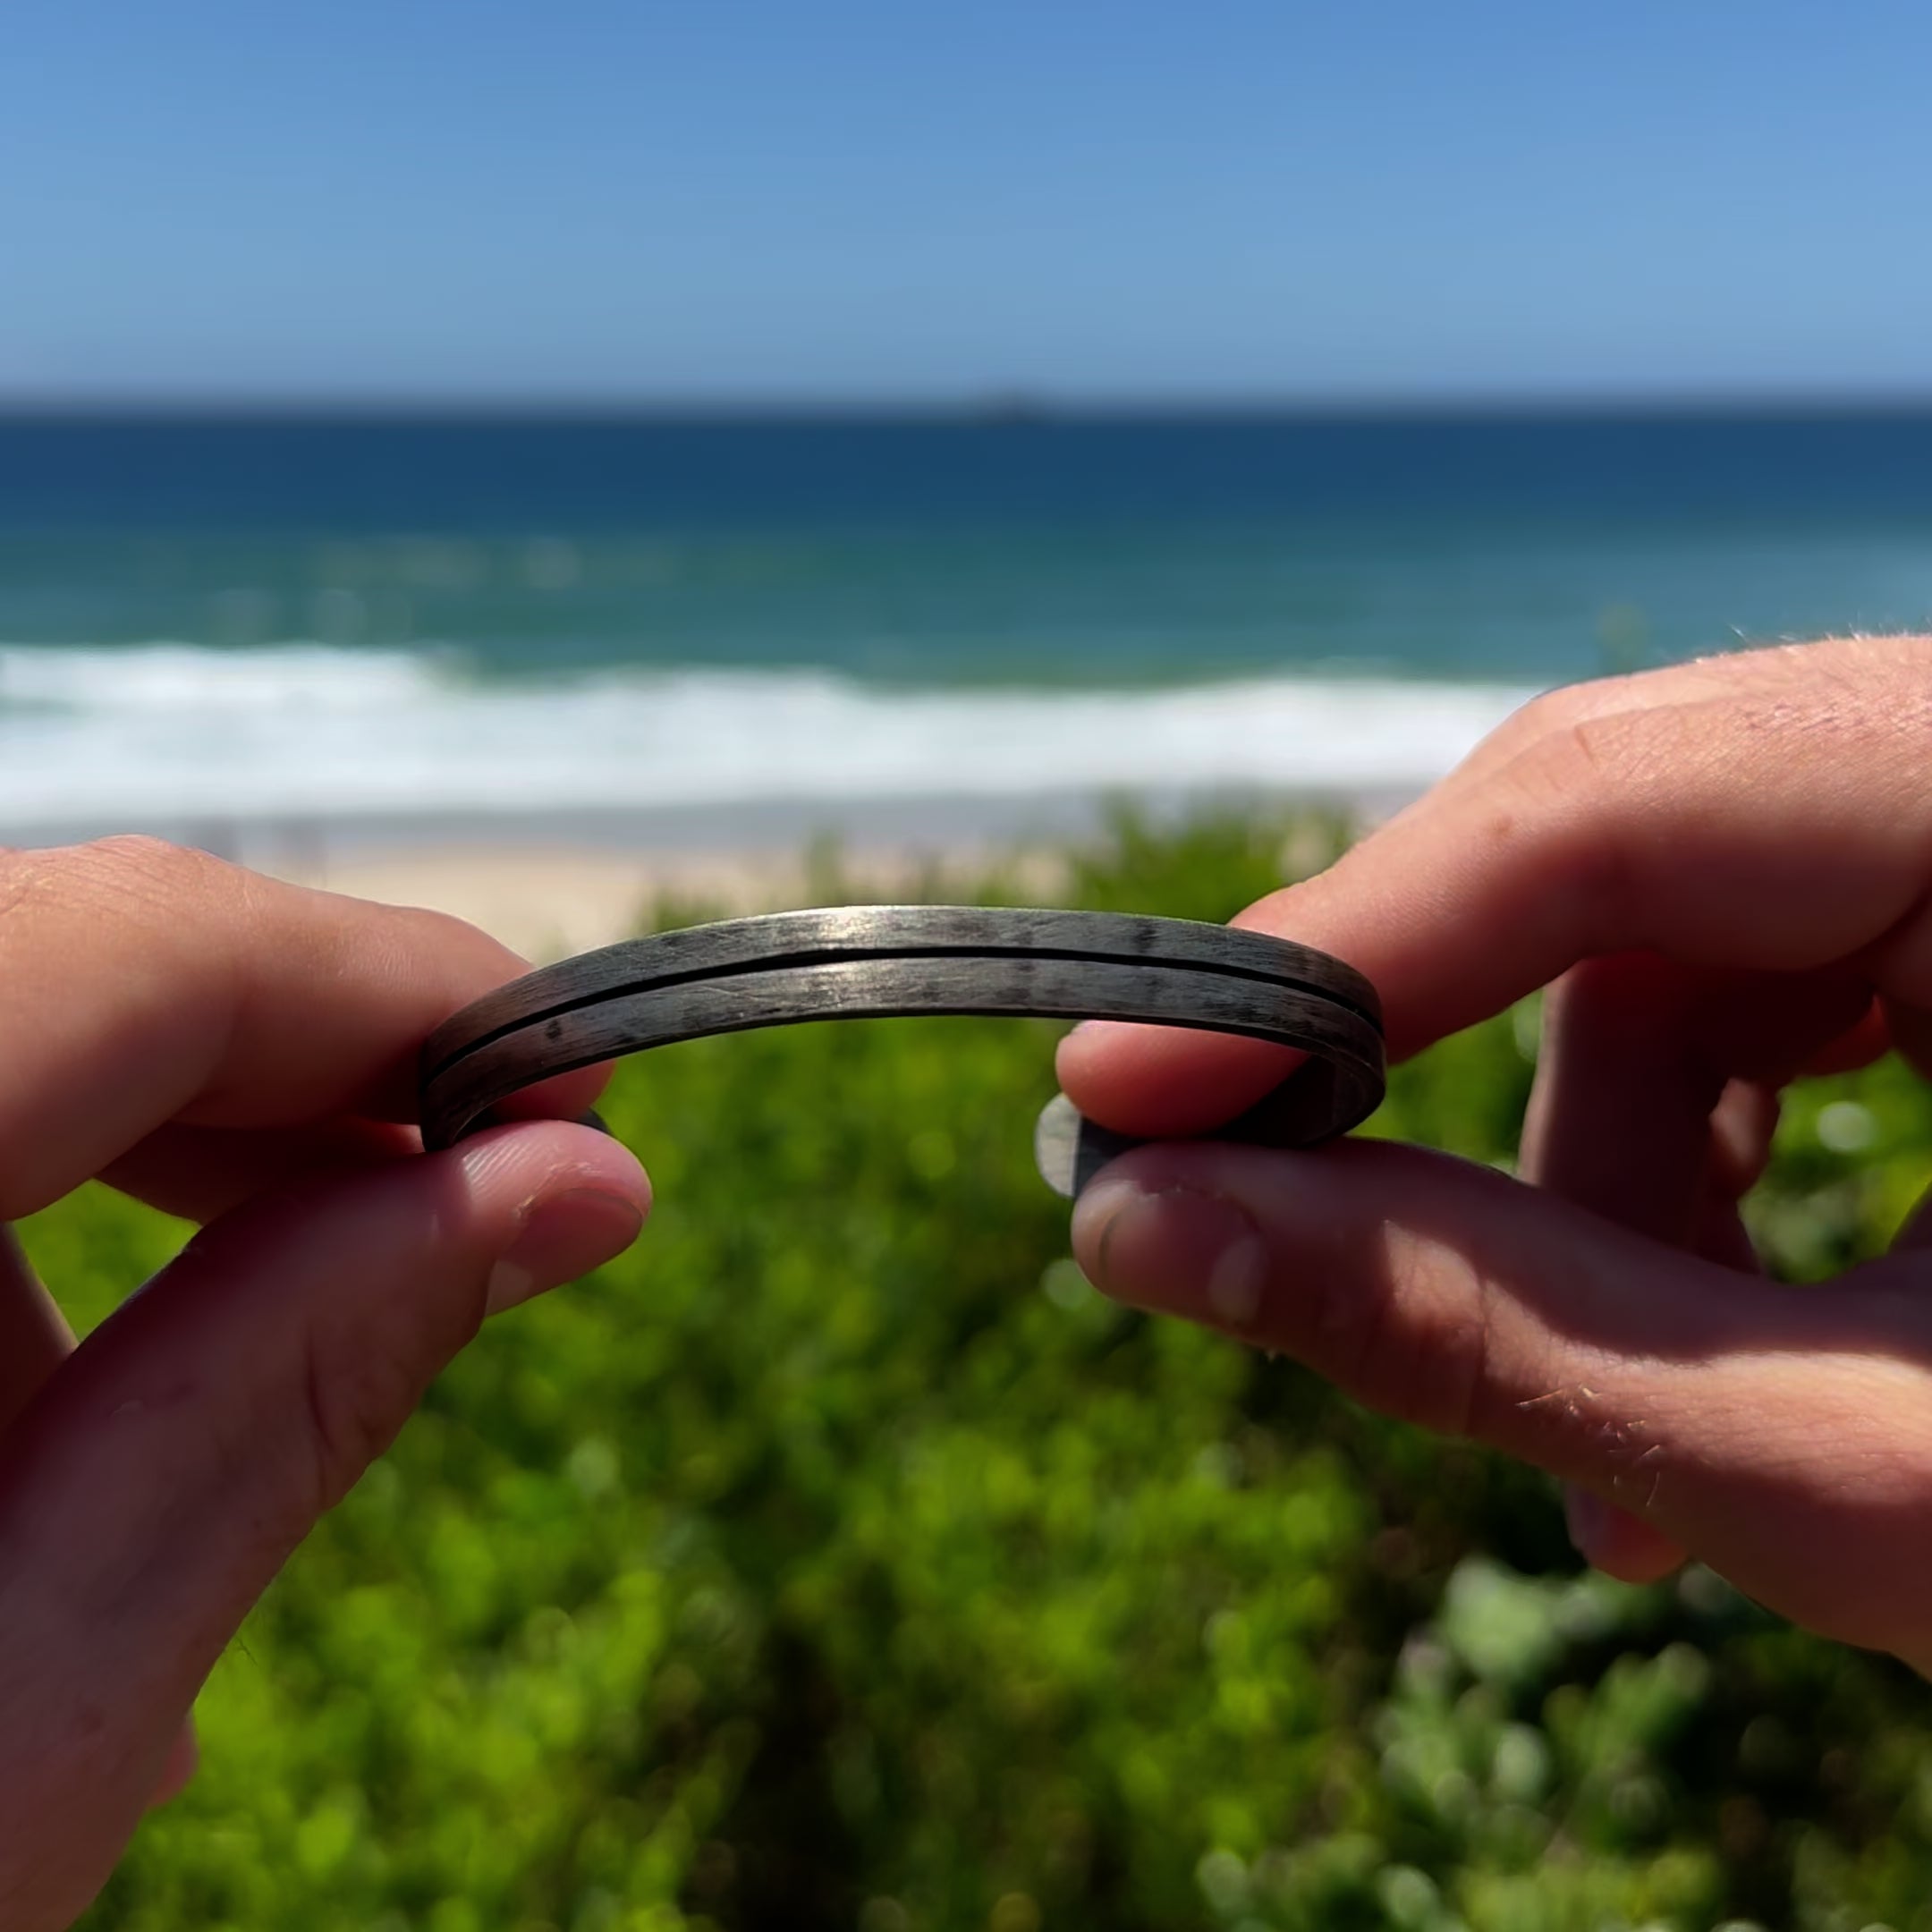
885, 962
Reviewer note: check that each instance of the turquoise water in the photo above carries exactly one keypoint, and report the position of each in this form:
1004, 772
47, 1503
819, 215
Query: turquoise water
333, 615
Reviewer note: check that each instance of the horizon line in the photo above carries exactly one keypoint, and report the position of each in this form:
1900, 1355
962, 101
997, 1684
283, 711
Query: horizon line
1016, 405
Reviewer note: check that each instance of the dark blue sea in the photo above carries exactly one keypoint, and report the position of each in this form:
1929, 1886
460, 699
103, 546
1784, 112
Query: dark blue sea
259, 614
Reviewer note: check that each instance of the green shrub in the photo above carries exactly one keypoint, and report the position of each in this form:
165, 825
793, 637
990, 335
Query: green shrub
838, 1559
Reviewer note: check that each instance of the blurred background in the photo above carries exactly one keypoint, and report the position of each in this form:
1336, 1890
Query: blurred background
694, 428
599, 464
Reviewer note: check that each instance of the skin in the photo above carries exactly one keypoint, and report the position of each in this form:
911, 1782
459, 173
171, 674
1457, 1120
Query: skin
240, 1053
1723, 872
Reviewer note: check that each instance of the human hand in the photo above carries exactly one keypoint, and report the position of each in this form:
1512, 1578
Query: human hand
241, 1053
1725, 869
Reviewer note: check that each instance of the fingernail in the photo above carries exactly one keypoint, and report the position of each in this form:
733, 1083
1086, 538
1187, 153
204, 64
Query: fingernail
1174, 1251
1094, 1029
566, 1236
1587, 1517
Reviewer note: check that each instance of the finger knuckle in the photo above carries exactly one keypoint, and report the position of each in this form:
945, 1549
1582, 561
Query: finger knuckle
359, 1383
98, 894
1585, 1433
135, 876
1567, 798
1408, 1331
1624, 1450
1580, 755
1549, 714
19, 875
353, 1403
1557, 714
163, 913
140, 855
1526, 725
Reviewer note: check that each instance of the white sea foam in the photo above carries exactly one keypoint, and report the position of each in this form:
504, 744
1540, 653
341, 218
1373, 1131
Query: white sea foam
169, 732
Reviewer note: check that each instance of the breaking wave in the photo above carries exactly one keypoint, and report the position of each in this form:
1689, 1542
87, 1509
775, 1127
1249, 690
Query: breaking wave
99, 736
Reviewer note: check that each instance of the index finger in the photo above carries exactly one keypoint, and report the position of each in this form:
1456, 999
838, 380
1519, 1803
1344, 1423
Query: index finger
142, 983
1775, 822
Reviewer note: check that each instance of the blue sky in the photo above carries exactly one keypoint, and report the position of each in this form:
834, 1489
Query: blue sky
820, 199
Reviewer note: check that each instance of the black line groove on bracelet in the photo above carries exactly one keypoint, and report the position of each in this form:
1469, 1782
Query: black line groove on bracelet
864, 954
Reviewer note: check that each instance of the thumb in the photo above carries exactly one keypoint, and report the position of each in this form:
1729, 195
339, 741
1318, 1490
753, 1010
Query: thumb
169, 1470
1774, 1431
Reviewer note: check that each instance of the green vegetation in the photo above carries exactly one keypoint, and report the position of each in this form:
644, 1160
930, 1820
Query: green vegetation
838, 1559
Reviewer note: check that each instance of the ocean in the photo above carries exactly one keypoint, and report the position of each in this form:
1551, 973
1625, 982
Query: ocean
265, 617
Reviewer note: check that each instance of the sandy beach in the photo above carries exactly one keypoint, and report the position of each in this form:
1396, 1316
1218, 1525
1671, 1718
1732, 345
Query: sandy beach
557, 883
548, 901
